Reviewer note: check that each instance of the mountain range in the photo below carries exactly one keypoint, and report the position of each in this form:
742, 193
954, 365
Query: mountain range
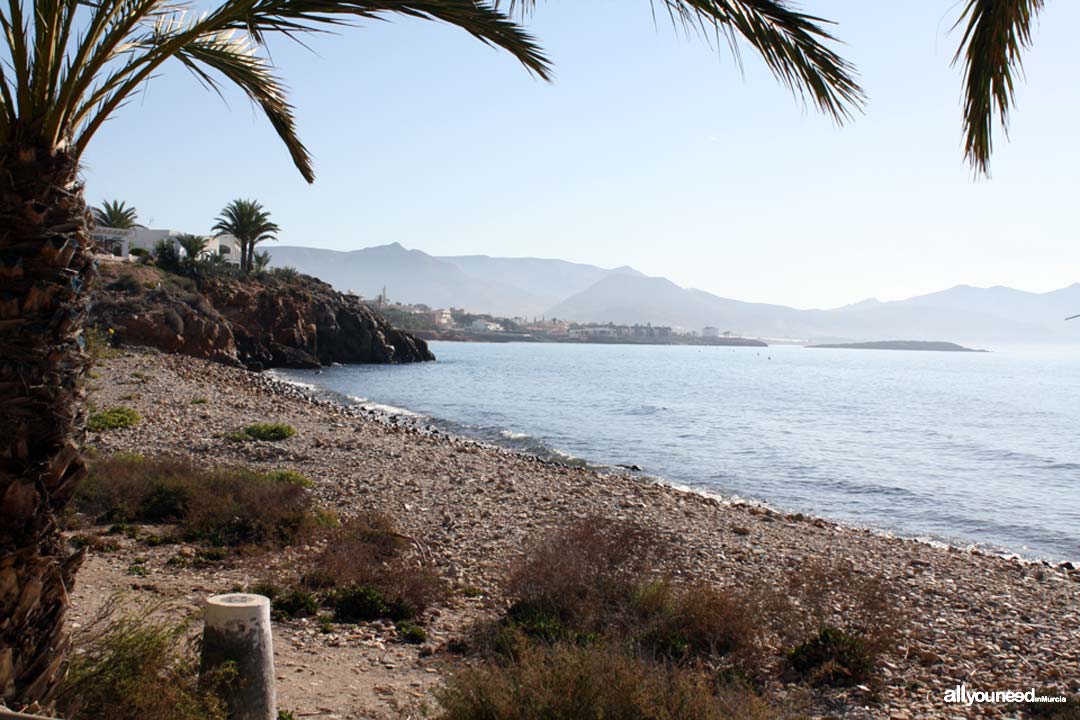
527, 287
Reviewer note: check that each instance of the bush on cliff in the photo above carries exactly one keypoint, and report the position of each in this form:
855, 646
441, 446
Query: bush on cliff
223, 506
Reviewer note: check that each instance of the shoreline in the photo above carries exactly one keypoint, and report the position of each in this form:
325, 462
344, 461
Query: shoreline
989, 621
392, 415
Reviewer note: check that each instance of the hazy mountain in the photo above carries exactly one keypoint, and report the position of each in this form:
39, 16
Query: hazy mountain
555, 279
983, 317
987, 316
502, 286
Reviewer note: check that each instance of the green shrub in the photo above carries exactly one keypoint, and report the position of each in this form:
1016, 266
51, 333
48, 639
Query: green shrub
363, 603
269, 431
834, 658
113, 419
223, 506
136, 667
290, 477
286, 273
138, 252
412, 634
569, 682
294, 603
199, 401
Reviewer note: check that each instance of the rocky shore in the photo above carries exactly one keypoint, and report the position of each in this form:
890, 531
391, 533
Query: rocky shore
272, 320
989, 622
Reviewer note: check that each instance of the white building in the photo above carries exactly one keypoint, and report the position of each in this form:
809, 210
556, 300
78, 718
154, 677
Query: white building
710, 332
480, 325
114, 241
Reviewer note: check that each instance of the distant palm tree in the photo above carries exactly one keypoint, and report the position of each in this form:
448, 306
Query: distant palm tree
996, 32
67, 67
194, 245
250, 224
261, 261
115, 214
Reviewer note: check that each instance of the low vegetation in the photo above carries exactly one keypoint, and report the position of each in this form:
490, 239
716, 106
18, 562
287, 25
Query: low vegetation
221, 506
567, 682
601, 581
366, 571
136, 666
264, 431
113, 419
600, 625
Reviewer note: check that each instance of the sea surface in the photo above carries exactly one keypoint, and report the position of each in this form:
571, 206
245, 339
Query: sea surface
965, 448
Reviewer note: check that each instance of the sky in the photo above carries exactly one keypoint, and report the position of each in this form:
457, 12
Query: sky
650, 149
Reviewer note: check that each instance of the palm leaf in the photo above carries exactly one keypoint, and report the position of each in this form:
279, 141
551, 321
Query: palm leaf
793, 45
996, 34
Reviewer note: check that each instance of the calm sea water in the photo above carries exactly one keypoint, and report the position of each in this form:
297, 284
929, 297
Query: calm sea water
967, 448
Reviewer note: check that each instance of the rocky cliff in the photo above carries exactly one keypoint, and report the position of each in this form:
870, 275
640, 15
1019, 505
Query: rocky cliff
264, 322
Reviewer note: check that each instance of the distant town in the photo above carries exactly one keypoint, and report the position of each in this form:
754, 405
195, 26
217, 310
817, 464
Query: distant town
456, 324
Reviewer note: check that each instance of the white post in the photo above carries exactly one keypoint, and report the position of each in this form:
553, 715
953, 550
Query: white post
237, 631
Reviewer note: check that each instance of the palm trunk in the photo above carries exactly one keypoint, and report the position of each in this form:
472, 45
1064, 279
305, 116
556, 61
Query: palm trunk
45, 267
243, 255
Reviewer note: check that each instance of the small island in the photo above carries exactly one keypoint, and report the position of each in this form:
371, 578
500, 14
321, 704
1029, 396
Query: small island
900, 345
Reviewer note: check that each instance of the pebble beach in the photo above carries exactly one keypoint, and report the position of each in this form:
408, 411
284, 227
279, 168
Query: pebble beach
982, 620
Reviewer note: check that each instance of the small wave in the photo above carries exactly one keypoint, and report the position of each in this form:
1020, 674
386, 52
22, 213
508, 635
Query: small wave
511, 435
1063, 466
389, 409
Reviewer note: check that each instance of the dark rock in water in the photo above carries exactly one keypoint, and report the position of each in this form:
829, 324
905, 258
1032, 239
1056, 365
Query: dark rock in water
631, 468
259, 322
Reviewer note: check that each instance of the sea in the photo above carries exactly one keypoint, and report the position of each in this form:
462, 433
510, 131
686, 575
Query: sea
970, 449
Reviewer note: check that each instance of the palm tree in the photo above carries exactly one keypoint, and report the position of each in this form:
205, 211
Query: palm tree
260, 261
70, 65
249, 223
115, 214
996, 32
194, 245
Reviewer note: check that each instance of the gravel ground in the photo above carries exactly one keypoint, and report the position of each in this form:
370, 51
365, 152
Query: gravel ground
990, 622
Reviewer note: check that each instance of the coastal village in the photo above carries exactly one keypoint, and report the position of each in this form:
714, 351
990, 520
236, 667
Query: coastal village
128, 244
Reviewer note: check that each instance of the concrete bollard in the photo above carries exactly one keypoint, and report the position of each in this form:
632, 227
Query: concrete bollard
237, 631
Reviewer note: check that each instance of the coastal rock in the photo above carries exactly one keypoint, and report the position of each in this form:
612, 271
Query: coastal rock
257, 322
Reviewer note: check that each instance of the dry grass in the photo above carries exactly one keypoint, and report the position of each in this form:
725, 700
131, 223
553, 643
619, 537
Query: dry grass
570, 682
136, 666
838, 622
600, 580
223, 506
365, 571
373, 571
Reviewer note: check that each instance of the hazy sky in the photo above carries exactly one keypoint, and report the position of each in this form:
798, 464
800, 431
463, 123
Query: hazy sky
649, 150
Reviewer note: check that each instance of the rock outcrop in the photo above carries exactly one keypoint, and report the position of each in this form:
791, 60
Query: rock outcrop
255, 322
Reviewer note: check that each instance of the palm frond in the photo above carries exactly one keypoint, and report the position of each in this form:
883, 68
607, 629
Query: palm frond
996, 34
480, 19
233, 55
794, 45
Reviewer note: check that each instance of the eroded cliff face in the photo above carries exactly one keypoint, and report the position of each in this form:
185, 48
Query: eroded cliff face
256, 322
